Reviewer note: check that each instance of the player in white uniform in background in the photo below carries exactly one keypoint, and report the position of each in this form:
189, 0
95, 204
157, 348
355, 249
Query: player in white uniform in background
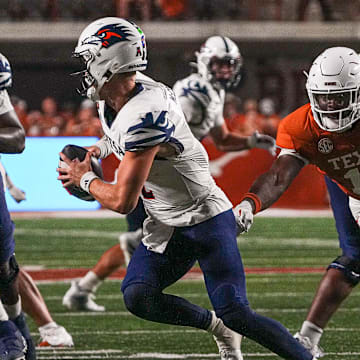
202, 96
189, 217
32, 302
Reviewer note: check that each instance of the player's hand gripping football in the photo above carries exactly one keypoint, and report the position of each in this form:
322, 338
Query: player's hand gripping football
94, 150
244, 216
261, 141
72, 174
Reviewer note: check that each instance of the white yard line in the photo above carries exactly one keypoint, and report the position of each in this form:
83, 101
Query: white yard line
168, 331
102, 213
125, 313
118, 354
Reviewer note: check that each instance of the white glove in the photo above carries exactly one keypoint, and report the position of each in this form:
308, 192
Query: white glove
17, 194
244, 216
261, 141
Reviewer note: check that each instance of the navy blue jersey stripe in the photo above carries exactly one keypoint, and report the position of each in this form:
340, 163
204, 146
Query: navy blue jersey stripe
142, 143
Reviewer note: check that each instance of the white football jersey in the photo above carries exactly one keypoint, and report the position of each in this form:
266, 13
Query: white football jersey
5, 103
202, 104
179, 190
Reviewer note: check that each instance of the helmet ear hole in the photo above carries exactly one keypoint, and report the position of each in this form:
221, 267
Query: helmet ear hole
108, 74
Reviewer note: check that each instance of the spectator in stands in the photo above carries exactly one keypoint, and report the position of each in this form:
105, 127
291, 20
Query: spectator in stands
246, 123
327, 11
268, 122
56, 127
68, 112
34, 120
232, 112
52, 123
173, 9
50, 10
123, 8
20, 107
18, 10
83, 124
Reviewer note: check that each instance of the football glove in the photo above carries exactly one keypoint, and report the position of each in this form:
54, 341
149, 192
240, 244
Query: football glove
244, 216
17, 194
261, 141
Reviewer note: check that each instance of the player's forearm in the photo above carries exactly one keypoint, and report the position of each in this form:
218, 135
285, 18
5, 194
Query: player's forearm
270, 186
114, 197
268, 189
232, 142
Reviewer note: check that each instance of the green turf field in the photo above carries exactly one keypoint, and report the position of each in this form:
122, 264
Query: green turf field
116, 334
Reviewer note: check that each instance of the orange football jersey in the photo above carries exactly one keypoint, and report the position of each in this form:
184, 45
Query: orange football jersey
335, 154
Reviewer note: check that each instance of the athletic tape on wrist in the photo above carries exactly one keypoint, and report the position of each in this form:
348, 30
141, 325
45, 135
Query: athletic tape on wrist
255, 199
86, 180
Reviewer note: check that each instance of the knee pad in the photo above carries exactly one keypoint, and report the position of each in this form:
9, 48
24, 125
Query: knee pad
8, 272
350, 268
138, 298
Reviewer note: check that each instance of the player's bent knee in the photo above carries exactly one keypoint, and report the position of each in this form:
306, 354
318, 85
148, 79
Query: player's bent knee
8, 272
239, 318
138, 298
350, 267
227, 295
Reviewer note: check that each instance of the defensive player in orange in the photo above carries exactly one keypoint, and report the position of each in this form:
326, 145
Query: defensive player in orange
326, 133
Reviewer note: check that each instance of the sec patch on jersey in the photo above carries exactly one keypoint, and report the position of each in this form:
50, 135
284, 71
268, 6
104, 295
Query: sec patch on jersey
73, 152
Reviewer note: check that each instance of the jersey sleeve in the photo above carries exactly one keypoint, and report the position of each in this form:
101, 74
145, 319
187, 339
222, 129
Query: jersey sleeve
283, 138
152, 129
198, 101
5, 103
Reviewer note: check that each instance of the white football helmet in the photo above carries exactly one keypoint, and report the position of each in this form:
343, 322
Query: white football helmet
108, 46
217, 52
5, 73
333, 88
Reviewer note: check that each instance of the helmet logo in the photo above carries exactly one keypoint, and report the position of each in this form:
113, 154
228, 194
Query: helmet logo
325, 146
112, 34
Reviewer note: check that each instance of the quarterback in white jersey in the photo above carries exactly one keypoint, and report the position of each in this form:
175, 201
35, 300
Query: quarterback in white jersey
201, 96
179, 190
162, 161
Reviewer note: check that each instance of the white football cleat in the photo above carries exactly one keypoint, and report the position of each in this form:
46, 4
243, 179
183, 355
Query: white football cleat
129, 241
77, 298
55, 336
227, 341
315, 350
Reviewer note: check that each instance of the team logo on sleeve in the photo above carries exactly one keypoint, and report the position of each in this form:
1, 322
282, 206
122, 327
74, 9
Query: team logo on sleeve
325, 146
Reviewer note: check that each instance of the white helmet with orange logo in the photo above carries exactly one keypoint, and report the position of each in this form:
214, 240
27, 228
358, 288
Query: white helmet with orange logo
109, 46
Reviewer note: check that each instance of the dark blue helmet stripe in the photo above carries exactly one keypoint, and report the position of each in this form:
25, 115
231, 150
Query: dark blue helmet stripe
226, 44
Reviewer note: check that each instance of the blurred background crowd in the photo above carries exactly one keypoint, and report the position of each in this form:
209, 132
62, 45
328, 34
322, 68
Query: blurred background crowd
272, 85
69, 119
152, 10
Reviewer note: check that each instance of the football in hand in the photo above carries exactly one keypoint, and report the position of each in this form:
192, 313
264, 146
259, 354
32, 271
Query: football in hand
73, 152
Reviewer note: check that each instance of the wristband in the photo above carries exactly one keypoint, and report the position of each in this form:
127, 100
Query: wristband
255, 199
86, 180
